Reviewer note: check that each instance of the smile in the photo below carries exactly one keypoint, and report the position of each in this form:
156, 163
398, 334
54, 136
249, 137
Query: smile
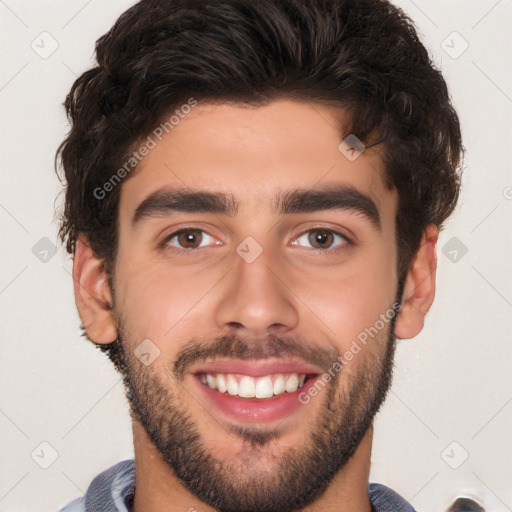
254, 391
246, 386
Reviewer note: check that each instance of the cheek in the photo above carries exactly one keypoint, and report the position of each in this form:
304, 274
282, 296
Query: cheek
160, 302
352, 298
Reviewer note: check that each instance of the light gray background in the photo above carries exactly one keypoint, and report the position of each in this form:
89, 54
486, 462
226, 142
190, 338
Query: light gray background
452, 391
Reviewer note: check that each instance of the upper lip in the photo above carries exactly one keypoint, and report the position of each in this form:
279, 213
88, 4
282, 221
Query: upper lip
256, 368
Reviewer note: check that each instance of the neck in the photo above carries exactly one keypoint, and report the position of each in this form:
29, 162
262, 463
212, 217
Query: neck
158, 489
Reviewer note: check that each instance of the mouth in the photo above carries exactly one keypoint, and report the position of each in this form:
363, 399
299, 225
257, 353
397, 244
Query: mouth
245, 386
257, 391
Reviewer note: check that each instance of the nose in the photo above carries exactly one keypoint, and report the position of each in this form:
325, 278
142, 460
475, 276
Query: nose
257, 299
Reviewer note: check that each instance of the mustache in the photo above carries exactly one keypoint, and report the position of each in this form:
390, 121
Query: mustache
236, 347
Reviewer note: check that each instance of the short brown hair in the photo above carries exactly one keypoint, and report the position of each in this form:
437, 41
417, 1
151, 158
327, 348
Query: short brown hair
362, 55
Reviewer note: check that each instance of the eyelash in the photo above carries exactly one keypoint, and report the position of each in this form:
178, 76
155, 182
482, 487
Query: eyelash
177, 250
346, 241
167, 239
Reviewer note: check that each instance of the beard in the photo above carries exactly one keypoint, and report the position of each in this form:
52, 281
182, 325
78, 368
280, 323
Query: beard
297, 477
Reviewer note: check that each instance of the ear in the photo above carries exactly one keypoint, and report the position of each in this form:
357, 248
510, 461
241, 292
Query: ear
93, 296
420, 286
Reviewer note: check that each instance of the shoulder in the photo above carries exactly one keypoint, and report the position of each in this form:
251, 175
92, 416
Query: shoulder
113, 486
77, 505
385, 499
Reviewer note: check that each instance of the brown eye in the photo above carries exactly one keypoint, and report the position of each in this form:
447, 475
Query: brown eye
189, 239
320, 238
323, 240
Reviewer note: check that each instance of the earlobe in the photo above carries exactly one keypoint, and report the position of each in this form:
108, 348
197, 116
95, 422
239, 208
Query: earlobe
93, 296
419, 288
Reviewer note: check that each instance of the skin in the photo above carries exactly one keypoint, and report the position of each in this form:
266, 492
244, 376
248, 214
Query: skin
326, 298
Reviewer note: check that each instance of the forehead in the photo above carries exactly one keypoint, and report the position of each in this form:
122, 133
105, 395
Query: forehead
254, 153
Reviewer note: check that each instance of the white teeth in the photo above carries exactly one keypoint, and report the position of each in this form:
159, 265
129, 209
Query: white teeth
250, 387
221, 383
232, 385
210, 379
264, 388
246, 388
279, 385
292, 383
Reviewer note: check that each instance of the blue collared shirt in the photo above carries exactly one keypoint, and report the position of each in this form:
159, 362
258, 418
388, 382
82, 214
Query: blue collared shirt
113, 491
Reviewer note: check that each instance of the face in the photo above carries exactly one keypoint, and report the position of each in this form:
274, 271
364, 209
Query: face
258, 263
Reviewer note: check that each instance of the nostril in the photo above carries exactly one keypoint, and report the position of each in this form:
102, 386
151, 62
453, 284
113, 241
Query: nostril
465, 505
235, 325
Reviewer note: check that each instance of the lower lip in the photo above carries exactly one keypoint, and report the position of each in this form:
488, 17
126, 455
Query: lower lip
252, 410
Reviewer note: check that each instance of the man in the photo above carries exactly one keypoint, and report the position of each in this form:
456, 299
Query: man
254, 195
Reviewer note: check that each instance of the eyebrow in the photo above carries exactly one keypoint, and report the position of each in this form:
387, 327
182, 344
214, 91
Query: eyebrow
342, 197
164, 202
329, 198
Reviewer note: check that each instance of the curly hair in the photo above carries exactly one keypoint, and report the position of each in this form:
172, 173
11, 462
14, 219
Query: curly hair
362, 55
